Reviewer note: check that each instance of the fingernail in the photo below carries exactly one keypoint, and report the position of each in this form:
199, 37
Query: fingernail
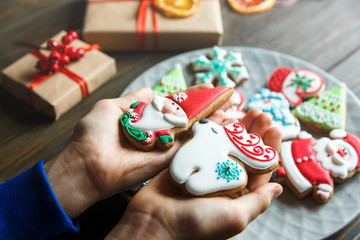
277, 191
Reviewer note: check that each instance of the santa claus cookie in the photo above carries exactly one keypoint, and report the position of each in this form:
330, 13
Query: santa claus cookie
310, 166
220, 67
160, 121
276, 104
216, 160
296, 84
236, 111
324, 112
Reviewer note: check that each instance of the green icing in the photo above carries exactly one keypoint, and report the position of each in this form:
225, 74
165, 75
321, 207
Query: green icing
164, 139
301, 81
137, 134
134, 104
328, 110
174, 81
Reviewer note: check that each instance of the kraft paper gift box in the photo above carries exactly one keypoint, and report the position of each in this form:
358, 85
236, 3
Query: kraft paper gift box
124, 25
60, 91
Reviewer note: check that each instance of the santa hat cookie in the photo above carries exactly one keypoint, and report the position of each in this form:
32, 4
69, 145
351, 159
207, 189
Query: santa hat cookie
172, 82
324, 112
220, 67
276, 104
203, 166
162, 120
296, 84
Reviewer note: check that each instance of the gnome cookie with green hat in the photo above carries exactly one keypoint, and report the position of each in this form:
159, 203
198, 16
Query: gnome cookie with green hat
324, 112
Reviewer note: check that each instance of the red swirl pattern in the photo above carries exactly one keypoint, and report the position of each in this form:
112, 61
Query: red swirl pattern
251, 147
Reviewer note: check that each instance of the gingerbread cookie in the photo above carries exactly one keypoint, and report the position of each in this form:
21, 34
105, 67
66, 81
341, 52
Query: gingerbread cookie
216, 160
173, 82
236, 111
160, 121
296, 84
177, 8
276, 104
220, 67
310, 166
324, 112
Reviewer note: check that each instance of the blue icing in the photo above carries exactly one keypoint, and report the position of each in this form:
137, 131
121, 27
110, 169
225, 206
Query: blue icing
274, 103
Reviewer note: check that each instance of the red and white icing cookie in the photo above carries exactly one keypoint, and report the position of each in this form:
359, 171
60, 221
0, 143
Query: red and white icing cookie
296, 84
160, 121
310, 165
203, 164
236, 111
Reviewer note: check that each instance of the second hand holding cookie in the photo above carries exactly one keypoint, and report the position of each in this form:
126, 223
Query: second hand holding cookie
162, 211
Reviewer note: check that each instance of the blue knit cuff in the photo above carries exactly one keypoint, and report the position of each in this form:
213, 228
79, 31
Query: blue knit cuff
29, 208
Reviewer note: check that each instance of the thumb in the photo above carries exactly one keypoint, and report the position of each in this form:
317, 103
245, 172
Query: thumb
144, 94
256, 202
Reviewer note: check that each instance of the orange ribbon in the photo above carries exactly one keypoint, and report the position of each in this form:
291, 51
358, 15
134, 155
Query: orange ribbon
141, 21
73, 76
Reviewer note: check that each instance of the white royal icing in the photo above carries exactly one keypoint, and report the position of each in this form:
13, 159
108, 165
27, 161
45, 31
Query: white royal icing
195, 163
291, 91
324, 146
337, 133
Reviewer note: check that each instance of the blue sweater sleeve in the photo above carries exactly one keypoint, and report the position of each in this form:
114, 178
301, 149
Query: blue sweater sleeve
29, 208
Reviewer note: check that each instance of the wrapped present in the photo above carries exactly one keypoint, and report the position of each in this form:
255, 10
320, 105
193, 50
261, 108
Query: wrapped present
128, 25
53, 81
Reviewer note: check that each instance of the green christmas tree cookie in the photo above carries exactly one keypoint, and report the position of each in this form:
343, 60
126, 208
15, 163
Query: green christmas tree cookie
174, 81
324, 112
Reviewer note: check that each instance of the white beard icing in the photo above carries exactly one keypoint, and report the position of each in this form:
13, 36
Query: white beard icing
177, 121
151, 119
340, 171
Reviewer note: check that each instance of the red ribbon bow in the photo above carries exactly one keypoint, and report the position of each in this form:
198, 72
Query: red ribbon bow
60, 56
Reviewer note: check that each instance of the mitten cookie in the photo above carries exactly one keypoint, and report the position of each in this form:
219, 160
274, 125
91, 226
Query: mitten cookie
324, 112
220, 67
296, 84
216, 160
160, 121
276, 104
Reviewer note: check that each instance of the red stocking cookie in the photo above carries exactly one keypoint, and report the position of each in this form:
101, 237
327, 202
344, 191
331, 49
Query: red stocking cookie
160, 121
216, 160
296, 84
236, 111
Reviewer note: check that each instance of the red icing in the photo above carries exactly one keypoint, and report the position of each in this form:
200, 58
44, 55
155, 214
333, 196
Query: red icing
138, 109
197, 101
310, 169
277, 78
156, 133
250, 147
355, 143
281, 172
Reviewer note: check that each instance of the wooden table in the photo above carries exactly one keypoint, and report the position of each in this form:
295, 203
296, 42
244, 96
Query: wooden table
323, 32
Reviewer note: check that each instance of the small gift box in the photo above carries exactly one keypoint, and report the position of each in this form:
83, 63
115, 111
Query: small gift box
127, 25
52, 87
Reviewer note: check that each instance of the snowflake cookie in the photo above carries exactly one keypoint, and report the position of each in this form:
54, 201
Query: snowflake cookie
220, 67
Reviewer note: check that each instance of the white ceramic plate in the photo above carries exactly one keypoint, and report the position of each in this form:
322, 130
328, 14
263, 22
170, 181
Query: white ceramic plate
287, 217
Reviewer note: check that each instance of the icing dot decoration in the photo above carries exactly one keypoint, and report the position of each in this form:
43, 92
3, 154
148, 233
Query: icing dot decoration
228, 170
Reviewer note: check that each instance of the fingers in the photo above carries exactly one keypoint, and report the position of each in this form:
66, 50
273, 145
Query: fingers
217, 116
143, 94
272, 137
254, 203
199, 87
250, 117
261, 124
